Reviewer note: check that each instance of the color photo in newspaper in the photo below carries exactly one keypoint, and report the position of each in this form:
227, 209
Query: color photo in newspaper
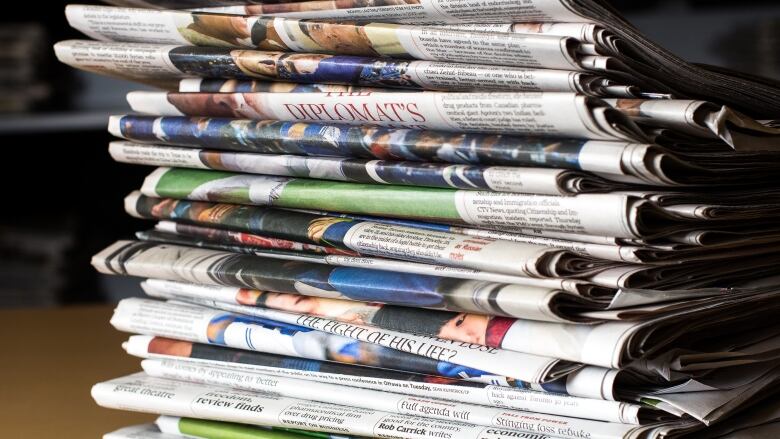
165, 61
141, 392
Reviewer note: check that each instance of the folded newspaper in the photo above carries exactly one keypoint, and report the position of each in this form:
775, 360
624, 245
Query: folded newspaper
708, 398
330, 393
553, 114
670, 165
352, 283
545, 181
588, 269
549, 114
551, 397
630, 54
622, 215
185, 61
345, 38
611, 345
243, 237
362, 280
141, 392
210, 325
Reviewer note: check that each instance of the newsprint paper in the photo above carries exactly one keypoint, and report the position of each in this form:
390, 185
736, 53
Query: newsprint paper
208, 325
141, 392
204, 356
175, 62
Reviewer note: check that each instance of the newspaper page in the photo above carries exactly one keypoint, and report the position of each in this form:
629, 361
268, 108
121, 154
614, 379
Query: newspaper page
564, 268
300, 226
141, 392
208, 325
141, 206
711, 406
709, 399
221, 240
691, 275
524, 113
569, 265
609, 159
594, 294
447, 325
616, 161
292, 341
601, 345
372, 368
557, 397
232, 228
211, 267
237, 237
616, 215
166, 61
556, 306
181, 28
417, 11
247, 242
703, 119
545, 181
609, 345
386, 401
388, 240
494, 332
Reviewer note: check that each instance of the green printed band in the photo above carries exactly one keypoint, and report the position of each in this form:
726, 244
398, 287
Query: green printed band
228, 430
408, 202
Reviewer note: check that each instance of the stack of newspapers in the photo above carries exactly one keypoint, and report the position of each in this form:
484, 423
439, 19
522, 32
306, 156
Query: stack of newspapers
445, 219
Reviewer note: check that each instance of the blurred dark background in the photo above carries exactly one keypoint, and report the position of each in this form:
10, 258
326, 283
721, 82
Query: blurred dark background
62, 194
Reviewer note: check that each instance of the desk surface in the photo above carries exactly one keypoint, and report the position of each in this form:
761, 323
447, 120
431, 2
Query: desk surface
50, 360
